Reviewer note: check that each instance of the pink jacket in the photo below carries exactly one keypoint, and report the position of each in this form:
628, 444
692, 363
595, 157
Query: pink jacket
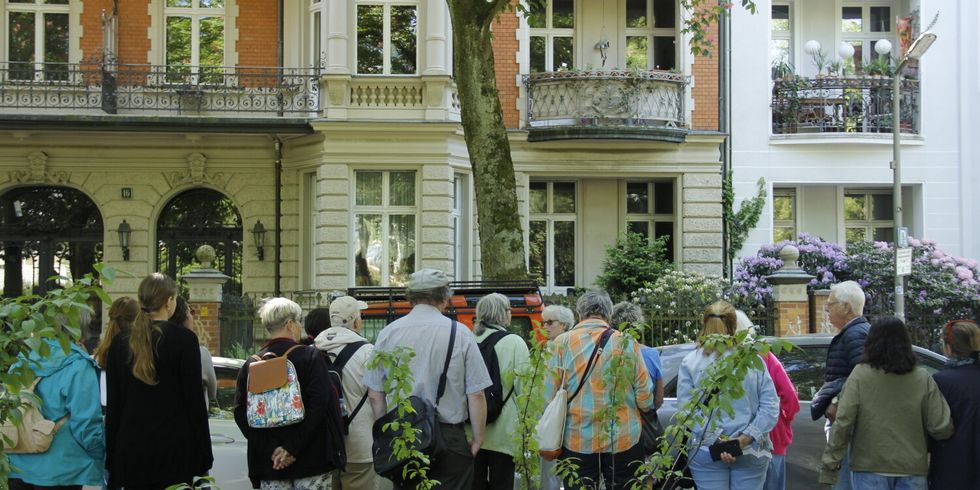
789, 405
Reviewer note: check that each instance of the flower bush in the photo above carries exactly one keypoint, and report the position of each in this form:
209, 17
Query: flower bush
826, 261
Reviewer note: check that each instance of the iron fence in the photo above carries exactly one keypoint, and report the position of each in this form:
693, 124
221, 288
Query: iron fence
925, 325
237, 324
176, 89
842, 105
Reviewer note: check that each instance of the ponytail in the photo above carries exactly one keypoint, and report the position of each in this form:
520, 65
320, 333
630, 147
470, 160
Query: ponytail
141, 348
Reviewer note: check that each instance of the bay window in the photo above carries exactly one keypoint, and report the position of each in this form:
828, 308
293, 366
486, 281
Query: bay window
384, 238
387, 39
551, 234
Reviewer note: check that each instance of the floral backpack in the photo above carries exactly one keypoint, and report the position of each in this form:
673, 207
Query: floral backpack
273, 398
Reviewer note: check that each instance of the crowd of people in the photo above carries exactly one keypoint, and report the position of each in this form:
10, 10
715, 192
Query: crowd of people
135, 412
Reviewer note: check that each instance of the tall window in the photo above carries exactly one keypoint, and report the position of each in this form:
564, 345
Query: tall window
869, 215
551, 234
37, 39
387, 39
862, 25
316, 33
459, 225
384, 227
553, 37
651, 23
781, 34
650, 210
195, 39
783, 214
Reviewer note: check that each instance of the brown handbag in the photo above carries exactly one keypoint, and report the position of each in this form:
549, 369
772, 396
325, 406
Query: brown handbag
268, 372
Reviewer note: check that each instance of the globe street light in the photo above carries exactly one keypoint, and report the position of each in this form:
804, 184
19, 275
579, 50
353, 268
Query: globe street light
918, 48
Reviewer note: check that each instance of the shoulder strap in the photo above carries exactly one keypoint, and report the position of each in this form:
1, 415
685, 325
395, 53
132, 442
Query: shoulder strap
491, 341
350, 418
346, 353
445, 368
596, 352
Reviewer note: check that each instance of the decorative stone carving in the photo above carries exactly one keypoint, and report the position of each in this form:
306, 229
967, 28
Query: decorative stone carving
196, 173
37, 171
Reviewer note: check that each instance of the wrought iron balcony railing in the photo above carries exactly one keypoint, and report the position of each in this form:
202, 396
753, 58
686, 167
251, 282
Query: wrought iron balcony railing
842, 105
607, 99
183, 90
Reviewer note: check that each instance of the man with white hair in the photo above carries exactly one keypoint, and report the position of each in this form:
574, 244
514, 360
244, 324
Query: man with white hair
845, 309
349, 353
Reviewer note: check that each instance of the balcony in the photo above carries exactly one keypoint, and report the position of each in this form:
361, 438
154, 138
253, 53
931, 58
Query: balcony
106, 88
842, 105
606, 105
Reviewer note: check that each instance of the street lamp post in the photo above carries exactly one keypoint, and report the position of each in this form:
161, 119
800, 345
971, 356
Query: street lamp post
918, 48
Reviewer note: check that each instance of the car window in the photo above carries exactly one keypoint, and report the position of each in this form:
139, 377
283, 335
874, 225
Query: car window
805, 367
227, 379
670, 362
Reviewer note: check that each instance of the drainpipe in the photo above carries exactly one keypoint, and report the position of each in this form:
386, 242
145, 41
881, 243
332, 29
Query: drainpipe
724, 120
279, 49
277, 146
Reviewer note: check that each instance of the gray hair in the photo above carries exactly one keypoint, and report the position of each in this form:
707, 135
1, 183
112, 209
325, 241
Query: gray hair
276, 312
561, 314
429, 296
595, 302
743, 322
628, 313
851, 293
491, 310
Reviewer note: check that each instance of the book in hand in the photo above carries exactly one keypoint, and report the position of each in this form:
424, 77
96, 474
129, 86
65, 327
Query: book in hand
731, 446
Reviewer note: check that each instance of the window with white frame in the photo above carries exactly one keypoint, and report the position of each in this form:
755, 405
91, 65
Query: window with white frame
551, 234
195, 40
869, 215
862, 25
384, 227
459, 223
37, 39
650, 210
651, 34
783, 214
387, 38
552, 37
316, 56
781, 34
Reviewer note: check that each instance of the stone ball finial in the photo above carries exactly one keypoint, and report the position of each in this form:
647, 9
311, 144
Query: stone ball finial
789, 255
205, 255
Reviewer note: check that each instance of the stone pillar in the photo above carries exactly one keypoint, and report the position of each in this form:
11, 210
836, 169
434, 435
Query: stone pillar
701, 239
436, 15
337, 38
819, 319
789, 293
205, 286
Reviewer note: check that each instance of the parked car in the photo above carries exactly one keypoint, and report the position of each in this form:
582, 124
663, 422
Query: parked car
805, 365
230, 468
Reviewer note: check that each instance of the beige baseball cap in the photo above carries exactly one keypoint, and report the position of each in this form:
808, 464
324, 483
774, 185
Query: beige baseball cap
344, 310
426, 279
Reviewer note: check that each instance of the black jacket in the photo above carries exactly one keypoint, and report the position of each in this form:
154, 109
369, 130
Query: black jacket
953, 465
317, 442
845, 352
157, 435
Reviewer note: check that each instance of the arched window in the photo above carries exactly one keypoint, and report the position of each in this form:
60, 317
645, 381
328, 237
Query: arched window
198, 217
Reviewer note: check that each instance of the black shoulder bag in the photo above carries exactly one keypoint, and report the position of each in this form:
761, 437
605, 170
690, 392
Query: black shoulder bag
425, 420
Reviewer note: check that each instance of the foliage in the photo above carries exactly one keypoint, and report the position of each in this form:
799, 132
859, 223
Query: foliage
200, 482
740, 223
825, 260
530, 405
238, 351
633, 261
398, 388
699, 15
27, 322
781, 69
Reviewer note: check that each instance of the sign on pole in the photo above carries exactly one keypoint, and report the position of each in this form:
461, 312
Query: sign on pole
903, 237
903, 261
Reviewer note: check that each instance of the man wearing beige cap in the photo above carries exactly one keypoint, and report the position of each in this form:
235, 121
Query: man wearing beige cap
349, 353
427, 331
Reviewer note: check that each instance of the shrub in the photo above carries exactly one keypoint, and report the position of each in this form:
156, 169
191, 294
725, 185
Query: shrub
824, 260
632, 262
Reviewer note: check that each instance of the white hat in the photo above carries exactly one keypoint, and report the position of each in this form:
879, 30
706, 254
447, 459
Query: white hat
344, 310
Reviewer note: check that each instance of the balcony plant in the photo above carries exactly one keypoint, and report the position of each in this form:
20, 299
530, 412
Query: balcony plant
786, 104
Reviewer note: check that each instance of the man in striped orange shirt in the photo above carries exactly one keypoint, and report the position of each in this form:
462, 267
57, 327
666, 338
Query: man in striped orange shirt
606, 448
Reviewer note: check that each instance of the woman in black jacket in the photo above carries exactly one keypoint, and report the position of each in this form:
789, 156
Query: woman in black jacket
156, 424
953, 462
298, 456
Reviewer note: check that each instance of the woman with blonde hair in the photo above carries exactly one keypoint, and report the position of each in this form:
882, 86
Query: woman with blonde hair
952, 465
752, 416
156, 426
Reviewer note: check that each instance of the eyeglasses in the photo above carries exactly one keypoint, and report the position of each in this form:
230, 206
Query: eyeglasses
548, 322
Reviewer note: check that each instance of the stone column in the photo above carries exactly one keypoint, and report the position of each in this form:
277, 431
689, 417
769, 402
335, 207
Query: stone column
335, 81
205, 286
789, 294
436, 16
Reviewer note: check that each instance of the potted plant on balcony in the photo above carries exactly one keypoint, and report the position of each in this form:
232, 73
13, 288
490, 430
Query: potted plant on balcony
786, 106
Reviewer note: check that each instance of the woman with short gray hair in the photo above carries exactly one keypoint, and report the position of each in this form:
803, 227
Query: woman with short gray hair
556, 320
276, 313
494, 463
595, 303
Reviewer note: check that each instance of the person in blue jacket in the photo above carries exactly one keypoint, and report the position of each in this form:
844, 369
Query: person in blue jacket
69, 386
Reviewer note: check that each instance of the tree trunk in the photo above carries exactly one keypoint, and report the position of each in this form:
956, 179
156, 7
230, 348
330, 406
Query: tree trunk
501, 235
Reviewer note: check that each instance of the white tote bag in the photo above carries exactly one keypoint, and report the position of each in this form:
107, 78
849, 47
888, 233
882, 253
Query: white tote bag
551, 427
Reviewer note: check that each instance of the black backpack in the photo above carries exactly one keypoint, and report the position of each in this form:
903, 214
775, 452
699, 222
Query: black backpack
335, 369
495, 393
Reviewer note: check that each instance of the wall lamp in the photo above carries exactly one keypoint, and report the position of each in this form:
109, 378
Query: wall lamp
124, 231
258, 234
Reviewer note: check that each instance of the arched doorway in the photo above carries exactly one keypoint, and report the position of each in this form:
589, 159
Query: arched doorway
194, 218
47, 231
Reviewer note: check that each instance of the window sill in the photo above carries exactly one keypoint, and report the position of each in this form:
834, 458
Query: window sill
844, 138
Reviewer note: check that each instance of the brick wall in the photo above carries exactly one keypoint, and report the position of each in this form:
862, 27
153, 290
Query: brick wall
505, 47
133, 38
705, 91
91, 19
209, 316
258, 25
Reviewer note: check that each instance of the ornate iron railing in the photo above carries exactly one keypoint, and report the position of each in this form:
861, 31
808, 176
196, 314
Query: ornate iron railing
606, 99
842, 105
182, 90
